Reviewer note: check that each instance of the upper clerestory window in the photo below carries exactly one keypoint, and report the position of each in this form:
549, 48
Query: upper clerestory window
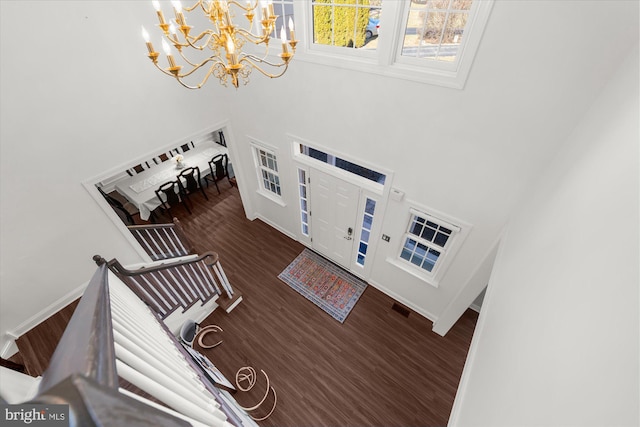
431, 41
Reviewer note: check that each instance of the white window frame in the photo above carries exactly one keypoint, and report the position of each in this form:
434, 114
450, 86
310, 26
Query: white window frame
256, 148
302, 179
361, 230
386, 59
460, 230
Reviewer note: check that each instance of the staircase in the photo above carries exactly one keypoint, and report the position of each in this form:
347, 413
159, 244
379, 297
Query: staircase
203, 274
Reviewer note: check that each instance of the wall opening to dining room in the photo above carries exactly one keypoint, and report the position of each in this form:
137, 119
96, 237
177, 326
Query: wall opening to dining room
127, 192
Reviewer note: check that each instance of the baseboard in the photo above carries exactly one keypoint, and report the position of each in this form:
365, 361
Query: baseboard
9, 347
404, 301
276, 226
475, 307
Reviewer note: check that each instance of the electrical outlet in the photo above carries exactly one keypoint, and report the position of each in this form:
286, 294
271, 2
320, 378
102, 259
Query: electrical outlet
385, 238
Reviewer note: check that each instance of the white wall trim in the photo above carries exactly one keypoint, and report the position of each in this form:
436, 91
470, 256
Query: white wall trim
287, 233
475, 307
458, 402
8, 346
477, 281
90, 183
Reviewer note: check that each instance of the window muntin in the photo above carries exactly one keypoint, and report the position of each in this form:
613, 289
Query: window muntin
346, 23
284, 10
387, 54
268, 168
434, 29
426, 241
365, 230
304, 201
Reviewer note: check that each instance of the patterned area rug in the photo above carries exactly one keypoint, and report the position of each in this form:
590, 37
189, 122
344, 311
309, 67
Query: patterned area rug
323, 283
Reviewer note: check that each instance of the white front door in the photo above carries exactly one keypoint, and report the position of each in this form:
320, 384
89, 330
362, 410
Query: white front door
334, 208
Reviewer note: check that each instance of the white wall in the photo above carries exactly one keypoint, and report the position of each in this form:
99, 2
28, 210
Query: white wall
557, 339
469, 153
80, 97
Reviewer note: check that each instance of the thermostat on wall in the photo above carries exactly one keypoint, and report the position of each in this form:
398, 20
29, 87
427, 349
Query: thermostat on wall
396, 194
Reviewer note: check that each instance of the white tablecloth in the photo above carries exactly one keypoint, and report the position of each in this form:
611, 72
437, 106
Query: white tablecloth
140, 189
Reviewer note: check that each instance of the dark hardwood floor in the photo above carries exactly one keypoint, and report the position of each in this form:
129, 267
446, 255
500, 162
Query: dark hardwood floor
378, 368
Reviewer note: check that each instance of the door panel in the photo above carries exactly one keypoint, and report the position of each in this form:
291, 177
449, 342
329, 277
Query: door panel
334, 207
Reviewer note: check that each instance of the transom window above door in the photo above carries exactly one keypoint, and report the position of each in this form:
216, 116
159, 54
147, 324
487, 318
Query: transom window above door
343, 164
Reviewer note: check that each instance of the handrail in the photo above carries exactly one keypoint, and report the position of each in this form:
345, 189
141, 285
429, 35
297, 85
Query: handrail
90, 329
179, 284
82, 372
115, 266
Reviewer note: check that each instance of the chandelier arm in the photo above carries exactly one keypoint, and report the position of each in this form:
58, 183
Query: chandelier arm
179, 77
204, 80
196, 67
198, 3
257, 67
193, 64
191, 40
250, 37
254, 60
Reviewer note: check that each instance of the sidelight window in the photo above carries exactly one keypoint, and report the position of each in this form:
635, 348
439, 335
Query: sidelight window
365, 230
304, 201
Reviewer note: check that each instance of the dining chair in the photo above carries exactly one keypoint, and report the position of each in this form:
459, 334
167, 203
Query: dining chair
219, 166
188, 146
137, 169
190, 180
170, 198
125, 209
161, 158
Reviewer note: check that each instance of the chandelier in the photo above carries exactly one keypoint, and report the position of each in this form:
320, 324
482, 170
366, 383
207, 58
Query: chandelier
219, 49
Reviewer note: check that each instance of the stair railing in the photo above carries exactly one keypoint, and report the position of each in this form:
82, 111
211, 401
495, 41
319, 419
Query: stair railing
113, 334
176, 285
163, 241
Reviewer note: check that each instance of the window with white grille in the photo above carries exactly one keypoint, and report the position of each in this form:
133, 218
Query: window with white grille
304, 201
268, 172
432, 41
427, 242
365, 230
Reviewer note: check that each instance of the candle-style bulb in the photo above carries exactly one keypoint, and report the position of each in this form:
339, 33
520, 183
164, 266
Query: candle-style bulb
291, 33
166, 47
172, 30
176, 5
283, 35
156, 5
145, 35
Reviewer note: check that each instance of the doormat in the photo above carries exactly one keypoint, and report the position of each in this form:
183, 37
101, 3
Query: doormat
323, 283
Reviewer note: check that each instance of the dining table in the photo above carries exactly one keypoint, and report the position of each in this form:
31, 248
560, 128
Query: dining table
140, 189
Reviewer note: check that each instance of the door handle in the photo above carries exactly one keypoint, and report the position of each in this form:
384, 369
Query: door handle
349, 233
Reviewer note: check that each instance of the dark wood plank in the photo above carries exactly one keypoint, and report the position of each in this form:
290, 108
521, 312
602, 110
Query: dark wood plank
378, 368
37, 346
